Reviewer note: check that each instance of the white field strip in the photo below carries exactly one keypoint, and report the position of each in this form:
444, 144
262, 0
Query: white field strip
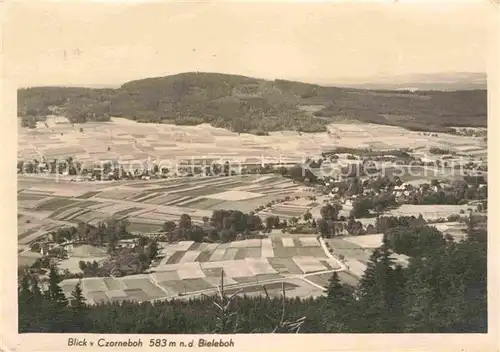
179, 246
429, 211
285, 207
267, 248
450, 226
254, 242
117, 193
74, 215
230, 254
366, 241
87, 217
310, 241
148, 196
212, 265
249, 188
116, 294
334, 264
161, 276
163, 199
234, 195
142, 219
176, 267
185, 201
355, 266
287, 242
179, 211
260, 266
38, 191
308, 264
178, 200
152, 216
67, 213
99, 206
207, 247
286, 186
301, 202
189, 257
31, 204
476, 151
66, 191
238, 268
165, 259
189, 188
94, 284
217, 255
215, 281
114, 208
190, 271
465, 148
221, 264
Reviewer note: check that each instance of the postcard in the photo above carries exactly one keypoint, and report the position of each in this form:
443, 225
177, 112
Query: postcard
249, 175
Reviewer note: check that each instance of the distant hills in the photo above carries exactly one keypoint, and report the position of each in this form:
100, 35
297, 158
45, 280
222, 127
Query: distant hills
246, 104
450, 81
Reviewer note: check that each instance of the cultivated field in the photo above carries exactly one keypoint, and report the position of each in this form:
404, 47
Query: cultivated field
45, 204
429, 212
128, 140
290, 209
355, 252
191, 268
454, 228
188, 268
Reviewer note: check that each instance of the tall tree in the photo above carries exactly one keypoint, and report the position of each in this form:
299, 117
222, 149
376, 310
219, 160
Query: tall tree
77, 298
376, 294
338, 311
54, 292
185, 222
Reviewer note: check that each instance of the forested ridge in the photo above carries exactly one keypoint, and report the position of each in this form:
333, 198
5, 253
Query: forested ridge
245, 104
442, 290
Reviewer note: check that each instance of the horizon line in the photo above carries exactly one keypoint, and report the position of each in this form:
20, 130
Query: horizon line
319, 81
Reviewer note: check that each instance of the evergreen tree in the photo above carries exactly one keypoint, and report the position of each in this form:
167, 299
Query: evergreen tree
24, 290
25, 302
37, 295
376, 293
77, 298
54, 292
152, 250
334, 290
337, 312
78, 307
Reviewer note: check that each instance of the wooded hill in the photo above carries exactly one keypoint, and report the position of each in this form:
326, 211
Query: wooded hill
245, 104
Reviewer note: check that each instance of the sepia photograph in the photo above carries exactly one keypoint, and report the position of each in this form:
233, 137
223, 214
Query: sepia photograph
250, 168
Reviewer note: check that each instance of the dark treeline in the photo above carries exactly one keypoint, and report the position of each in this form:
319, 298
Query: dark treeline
443, 289
439, 110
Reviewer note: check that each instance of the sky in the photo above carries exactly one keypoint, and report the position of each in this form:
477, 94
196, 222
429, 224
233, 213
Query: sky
96, 43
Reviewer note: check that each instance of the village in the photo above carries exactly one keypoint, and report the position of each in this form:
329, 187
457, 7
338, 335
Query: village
332, 205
